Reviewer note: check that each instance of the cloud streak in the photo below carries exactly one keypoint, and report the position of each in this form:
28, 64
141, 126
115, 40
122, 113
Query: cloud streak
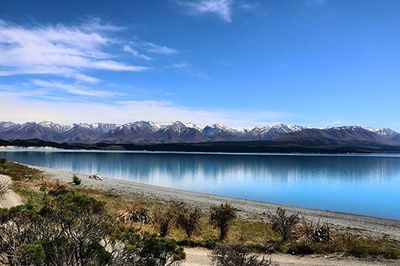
71, 89
222, 8
135, 53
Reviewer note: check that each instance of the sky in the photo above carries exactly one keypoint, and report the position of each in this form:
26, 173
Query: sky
241, 63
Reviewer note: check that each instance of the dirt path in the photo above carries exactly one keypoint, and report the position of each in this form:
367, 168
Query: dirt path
201, 257
10, 198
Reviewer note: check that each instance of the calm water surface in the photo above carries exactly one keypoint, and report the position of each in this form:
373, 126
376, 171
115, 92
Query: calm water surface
368, 185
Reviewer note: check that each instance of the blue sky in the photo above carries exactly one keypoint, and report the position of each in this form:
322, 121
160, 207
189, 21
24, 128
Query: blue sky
237, 62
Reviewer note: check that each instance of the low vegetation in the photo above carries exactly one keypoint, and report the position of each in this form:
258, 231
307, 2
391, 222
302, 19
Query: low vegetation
283, 223
76, 180
221, 218
187, 218
238, 255
111, 230
19, 172
69, 228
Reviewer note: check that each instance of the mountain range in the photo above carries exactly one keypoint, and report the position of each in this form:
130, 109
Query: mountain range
146, 132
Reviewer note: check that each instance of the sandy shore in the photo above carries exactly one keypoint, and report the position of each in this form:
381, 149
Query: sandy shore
361, 225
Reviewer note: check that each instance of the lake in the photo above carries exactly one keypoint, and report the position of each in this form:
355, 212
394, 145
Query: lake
359, 184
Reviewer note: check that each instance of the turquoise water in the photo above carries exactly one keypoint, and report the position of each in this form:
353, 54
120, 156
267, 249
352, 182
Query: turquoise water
360, 184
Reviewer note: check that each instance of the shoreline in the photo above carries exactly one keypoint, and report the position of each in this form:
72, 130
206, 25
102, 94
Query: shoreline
352, 223
52, 149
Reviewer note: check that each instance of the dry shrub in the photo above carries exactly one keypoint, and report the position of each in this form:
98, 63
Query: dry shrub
221, 217
187, 217
283, 223
53, 186
165, 218
310, 233
136, 213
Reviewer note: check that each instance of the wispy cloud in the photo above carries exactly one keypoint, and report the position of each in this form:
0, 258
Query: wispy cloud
135, 53
17, 107
58, 50
159, 49
71, 89
222, 8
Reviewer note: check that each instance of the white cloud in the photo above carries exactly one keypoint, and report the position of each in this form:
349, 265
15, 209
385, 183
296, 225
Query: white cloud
158, 49
222, 8
72, 89
58, 50
16, 107
135, 53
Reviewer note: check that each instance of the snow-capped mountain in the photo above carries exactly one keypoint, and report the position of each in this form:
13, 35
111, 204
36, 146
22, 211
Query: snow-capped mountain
177, 132
385, 132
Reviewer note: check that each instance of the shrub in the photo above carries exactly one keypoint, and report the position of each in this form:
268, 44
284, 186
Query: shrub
76, 180
187, 218
74, 229
32, 254
210, 244
164, 220
308, 232
238, 255
136, 213
283, 223
147, 250
221, 217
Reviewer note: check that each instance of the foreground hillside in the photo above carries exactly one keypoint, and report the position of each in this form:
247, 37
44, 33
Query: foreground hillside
144, 226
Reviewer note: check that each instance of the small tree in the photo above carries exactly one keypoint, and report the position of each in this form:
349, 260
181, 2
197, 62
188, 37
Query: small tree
188, 218
283, 223
221, 217
238, 255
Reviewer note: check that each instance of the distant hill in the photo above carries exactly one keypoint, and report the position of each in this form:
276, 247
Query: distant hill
177, 134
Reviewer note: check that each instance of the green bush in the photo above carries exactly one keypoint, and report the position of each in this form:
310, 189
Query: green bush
32, 254
73, 229
76, 180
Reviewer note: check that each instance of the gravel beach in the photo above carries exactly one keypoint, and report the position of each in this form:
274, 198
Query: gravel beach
356, 224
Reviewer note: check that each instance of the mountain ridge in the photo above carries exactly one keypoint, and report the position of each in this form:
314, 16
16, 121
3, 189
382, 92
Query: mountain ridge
148, 132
